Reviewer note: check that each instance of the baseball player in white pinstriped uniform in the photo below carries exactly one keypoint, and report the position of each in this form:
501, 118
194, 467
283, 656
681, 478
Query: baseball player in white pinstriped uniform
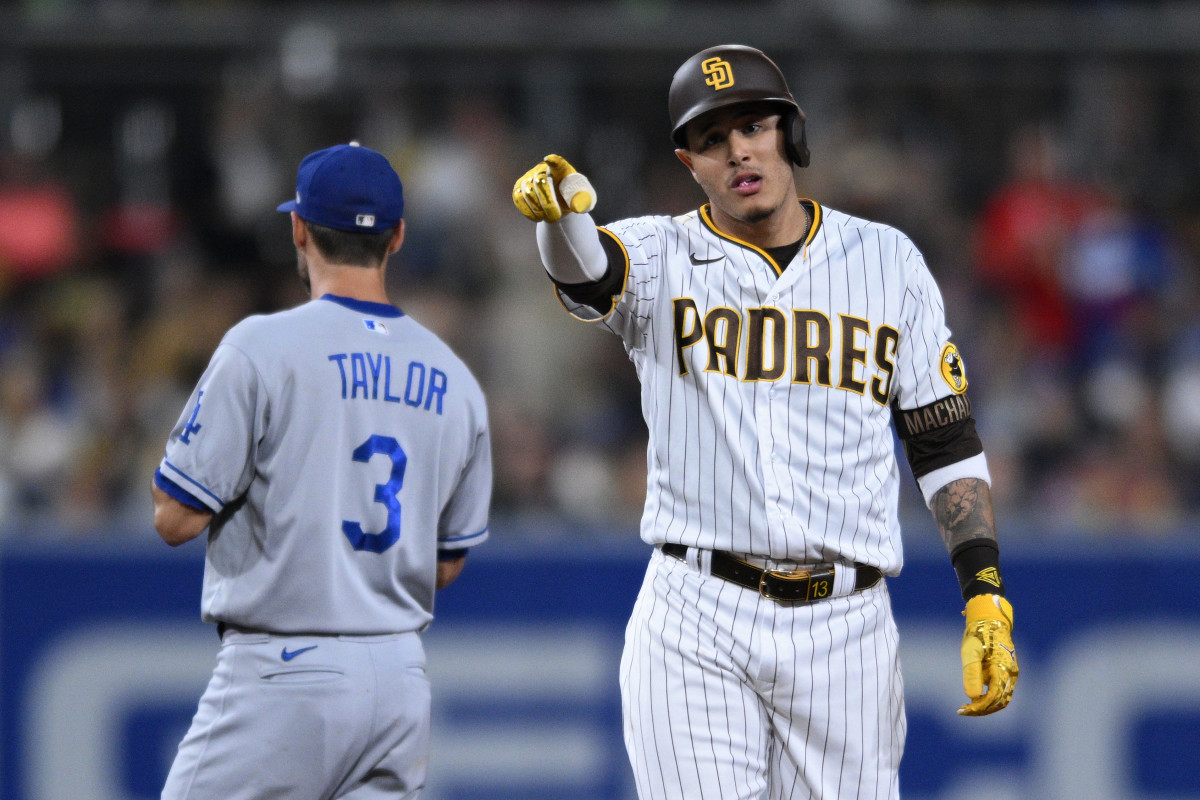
339, 455
778, 342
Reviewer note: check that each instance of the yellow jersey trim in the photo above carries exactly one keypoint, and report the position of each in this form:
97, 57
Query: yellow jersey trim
706, 217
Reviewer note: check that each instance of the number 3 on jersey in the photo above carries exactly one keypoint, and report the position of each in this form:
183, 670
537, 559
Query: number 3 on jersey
385, 493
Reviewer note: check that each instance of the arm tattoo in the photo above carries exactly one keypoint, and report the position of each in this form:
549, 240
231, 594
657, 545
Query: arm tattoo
962, 510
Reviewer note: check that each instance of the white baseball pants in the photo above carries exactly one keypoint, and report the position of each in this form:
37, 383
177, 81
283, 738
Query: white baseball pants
730, 696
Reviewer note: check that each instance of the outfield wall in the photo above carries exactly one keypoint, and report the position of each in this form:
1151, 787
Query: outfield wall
103, 656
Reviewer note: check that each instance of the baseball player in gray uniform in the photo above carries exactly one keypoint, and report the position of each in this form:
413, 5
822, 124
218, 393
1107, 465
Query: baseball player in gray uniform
778, 342
338, 454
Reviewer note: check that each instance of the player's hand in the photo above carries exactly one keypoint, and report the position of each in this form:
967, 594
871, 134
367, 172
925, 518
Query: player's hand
989, 660
551, 189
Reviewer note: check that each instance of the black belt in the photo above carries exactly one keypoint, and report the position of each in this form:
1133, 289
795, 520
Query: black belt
802, 586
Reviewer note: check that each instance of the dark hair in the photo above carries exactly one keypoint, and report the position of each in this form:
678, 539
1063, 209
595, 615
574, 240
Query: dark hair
351, 247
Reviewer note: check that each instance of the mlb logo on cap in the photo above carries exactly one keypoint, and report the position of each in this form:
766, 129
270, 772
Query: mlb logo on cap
348, 187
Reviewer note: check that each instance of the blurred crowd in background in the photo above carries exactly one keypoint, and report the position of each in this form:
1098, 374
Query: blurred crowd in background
1058, 205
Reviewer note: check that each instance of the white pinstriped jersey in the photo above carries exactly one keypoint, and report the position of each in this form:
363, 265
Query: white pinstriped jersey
340, 445
766, 392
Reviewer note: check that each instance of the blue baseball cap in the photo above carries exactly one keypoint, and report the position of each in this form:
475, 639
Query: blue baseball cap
350, 188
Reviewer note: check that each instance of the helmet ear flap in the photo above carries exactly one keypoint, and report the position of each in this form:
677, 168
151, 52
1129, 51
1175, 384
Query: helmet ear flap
795, 141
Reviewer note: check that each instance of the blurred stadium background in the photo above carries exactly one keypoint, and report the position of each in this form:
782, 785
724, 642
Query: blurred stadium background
1045, 156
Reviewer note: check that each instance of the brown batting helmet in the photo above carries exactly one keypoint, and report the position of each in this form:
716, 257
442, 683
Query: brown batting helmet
732, 73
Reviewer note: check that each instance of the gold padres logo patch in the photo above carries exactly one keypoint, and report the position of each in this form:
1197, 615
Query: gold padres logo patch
719, 72
953, 371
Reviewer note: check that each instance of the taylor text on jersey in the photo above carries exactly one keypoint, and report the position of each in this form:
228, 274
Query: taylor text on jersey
368, 376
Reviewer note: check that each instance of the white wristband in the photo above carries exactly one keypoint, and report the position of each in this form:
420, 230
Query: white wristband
572, 185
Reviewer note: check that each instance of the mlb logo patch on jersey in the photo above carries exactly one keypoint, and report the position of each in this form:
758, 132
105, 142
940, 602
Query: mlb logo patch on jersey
375, 326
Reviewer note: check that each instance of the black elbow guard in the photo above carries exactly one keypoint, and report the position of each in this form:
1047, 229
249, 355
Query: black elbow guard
601, 294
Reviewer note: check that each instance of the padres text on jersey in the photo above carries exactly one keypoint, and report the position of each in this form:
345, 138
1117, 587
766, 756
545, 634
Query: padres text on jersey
794, 344
777, 381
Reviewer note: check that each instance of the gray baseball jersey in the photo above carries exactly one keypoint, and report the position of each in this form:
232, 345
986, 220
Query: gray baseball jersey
767, 391
340, 445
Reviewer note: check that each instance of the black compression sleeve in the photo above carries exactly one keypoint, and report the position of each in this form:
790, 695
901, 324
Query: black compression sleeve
938, 434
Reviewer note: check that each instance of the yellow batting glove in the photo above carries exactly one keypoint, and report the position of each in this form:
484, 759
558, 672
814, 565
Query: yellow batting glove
540, 194
989, 660
535, 197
